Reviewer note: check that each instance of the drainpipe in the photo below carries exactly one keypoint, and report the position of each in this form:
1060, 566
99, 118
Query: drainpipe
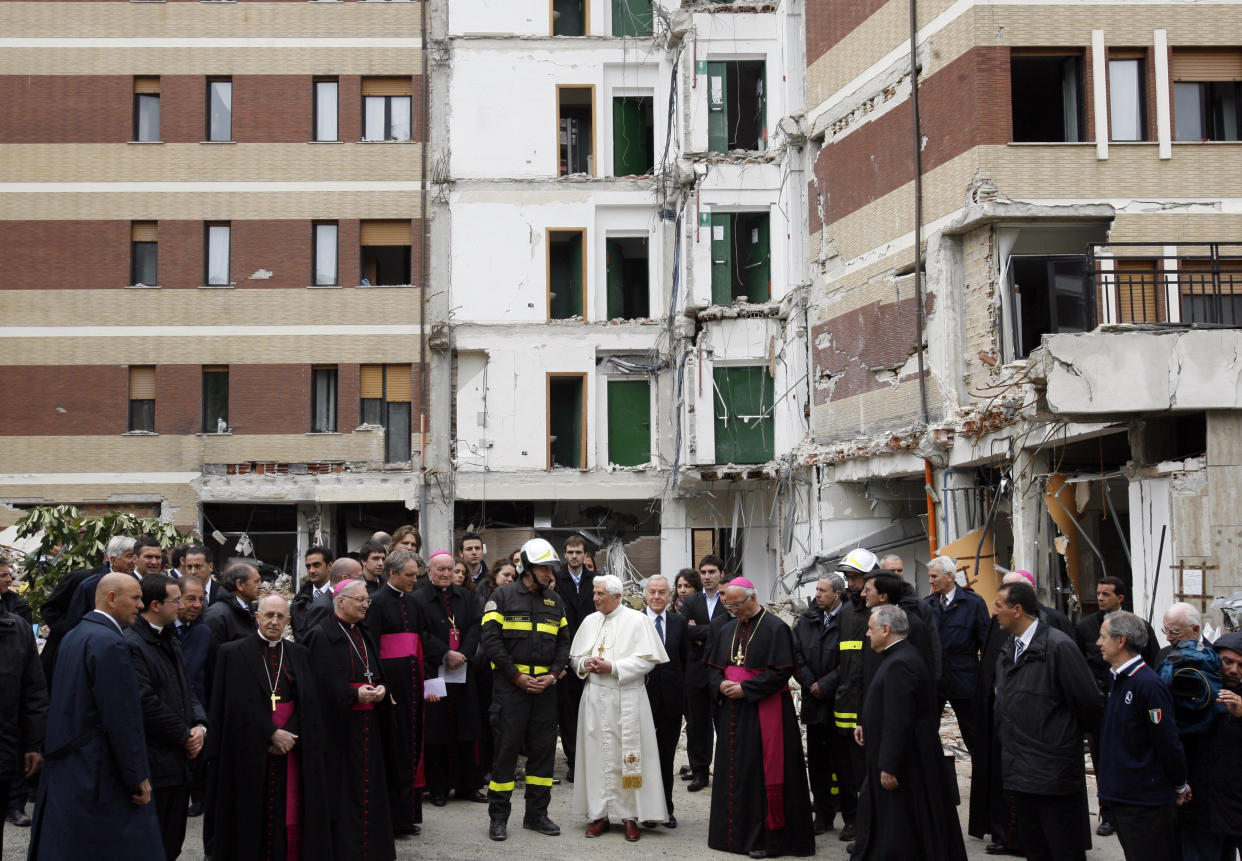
918, 206
422, 282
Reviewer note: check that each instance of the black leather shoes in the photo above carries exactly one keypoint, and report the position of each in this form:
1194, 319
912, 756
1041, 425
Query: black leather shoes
477, 797
1106, 829
820, 825
758, 853
543, 825
847, 832
498, 830
997, 849
439, 800
699, 783
671, 822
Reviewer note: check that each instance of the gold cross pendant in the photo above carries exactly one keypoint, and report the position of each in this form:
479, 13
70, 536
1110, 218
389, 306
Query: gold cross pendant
274, 699
601, 650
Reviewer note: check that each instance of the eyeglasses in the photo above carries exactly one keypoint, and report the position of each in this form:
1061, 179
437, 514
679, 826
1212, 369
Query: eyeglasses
365, 599
1173, 632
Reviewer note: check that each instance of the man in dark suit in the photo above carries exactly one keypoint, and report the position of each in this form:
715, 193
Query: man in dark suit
706, 616
232, 619
94, 799
314, 598
666, 683
200, 564
174, 721
575, 585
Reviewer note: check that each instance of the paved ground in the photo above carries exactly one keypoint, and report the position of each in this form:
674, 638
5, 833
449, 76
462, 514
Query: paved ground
460, 831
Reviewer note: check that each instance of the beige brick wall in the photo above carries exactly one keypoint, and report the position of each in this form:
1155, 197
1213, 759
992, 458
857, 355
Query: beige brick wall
266, 306
198, 20
894, 409
241, 162
981, 311
182, 498
208, 349
211, 61
208, 205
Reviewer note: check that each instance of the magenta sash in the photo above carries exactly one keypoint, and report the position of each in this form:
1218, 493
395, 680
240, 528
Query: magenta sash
361, 707
293, 789
772, 736
400, 646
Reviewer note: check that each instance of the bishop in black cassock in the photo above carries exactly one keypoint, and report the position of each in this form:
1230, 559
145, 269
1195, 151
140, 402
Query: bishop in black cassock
760, 799
906, 801
347, 668
267, 803
451, 730
397, 622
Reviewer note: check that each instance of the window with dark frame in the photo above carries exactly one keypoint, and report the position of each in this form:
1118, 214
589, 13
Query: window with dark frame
217, 241
575, 109
386, 398
567, 274
1046, 94
1127, 96
324, 238
1207, 94
385, 252
569, 17
147, 108
144, 253
633, 135
216, 399
736, 105
1051, 294
219, 109
142, 398
323, 398
326, 107
386, 109
629, 276
567, 435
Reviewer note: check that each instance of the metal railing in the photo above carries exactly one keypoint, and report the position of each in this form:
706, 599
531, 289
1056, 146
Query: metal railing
1136, 282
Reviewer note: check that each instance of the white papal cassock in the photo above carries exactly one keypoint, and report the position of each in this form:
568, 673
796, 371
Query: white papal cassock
617, 772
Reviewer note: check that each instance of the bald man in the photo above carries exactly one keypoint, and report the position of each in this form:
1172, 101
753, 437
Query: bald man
94, 801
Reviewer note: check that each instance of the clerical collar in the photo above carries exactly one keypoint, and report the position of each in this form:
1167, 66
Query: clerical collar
890, 645
394, 588
614, 610
271, 644
159, 629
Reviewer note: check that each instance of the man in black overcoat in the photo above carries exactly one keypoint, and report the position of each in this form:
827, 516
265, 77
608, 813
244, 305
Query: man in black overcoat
906, 809
666, 683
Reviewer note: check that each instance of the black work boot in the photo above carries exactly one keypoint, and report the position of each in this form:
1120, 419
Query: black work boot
541, 823
498, 830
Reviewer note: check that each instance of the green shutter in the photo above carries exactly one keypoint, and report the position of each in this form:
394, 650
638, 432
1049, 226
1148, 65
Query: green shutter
565, 274
717, 107
615, 267
743, 410
631, 17
629, 422
722, 258
754, 244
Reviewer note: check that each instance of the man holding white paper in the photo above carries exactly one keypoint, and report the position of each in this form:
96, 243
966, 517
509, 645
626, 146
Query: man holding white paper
451, 726
618, 766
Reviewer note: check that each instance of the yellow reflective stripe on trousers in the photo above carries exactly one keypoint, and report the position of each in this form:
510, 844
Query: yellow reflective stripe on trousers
493, 616
851, 645
501, 787
548, 628
537, 781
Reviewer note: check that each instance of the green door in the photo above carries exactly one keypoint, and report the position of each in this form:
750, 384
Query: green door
754, 247
717, 107
629, 132
629, 422
631, 17
722, 258
616, 279
565, 274
743, 410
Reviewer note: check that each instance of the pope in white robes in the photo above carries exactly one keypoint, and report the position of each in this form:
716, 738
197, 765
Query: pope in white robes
617, 772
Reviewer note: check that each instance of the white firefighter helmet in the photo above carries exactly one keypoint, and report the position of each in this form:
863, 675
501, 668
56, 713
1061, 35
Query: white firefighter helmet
858, 561
537, 551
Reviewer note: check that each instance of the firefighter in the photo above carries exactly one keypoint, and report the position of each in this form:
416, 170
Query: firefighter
526, 638
848, 755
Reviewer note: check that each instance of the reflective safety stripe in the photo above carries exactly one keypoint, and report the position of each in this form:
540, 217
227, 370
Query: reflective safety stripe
548, 628
517, 626
501, 787
493, 617
537, 781
563, 622
535, 671
851, 645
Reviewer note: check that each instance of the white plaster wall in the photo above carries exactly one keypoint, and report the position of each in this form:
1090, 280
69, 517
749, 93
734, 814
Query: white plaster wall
503, 115
500, 269
524, 17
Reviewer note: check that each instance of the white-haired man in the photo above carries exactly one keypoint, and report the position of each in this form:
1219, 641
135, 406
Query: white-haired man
962, 619
618, 762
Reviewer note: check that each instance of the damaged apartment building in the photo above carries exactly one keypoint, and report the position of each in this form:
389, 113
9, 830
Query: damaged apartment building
213, 235
626, 254
1027, 290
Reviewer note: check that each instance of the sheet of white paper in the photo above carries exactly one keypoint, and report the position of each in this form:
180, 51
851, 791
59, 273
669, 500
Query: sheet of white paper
1192, 581
717, 232
434, 687
453, 677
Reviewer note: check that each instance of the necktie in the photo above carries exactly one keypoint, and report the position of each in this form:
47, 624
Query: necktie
1018, 648
660, 627
944, 602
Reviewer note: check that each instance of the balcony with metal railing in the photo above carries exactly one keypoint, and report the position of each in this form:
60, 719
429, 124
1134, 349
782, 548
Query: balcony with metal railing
1187, 283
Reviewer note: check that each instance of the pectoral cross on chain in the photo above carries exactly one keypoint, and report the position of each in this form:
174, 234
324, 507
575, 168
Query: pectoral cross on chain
274, 700
368, 674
